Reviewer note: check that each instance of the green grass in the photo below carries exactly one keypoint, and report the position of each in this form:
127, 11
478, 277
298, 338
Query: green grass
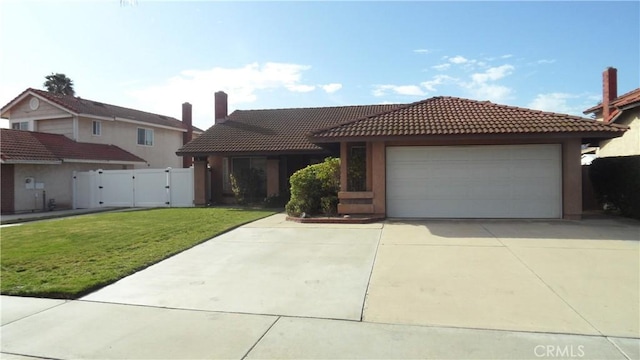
68, 258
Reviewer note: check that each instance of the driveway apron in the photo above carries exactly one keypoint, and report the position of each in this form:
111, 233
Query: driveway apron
266, 268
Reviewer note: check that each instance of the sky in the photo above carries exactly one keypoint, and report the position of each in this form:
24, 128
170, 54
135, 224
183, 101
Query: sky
154, 56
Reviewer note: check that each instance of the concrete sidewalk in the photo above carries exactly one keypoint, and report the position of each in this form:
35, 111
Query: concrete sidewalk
92, 330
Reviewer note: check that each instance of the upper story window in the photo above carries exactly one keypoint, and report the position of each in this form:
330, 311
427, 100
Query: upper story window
97, 128
145, 136
24, 125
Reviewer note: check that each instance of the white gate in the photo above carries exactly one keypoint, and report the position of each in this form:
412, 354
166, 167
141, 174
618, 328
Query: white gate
133, 188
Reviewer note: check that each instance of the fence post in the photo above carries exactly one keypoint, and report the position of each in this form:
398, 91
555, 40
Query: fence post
100, 187
74, 190
168, 187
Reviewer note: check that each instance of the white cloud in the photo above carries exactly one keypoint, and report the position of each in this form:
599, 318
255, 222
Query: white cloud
422, 51
495, 93
546, 61
441, 67
411, 90
458, 60
437, 80
331, 88
482, 85
555, 102
492, 74
198, 87
300, 88
506, 56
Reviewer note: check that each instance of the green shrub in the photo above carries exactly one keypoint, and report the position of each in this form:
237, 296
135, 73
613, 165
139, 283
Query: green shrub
311, 184
329, 205
616, 182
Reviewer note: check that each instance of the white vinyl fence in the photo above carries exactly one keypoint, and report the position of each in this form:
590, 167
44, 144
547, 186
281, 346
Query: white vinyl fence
133, 188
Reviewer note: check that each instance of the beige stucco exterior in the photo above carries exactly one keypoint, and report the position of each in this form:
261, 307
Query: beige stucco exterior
56, 180
123, 133
161, 154
629, 143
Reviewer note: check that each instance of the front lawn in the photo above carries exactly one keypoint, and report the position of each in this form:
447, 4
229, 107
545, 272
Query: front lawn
68, 258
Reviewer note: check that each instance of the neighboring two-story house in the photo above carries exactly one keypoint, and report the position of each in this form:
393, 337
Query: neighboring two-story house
68, 134
622, 110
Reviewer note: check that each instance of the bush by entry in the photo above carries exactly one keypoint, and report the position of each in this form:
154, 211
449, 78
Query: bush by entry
71, 257
314, 189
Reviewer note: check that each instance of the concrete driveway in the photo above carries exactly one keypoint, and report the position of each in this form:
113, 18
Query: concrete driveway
544, 276
399, 289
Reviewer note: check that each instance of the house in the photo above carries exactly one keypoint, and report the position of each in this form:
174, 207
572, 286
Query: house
442, 157
76, 134
623, 110
37, 167
152, 137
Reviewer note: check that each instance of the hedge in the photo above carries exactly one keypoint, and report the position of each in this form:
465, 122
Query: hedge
314, 189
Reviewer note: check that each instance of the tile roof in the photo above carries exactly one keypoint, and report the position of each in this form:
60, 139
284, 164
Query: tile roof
456, 116
28, 146
632, 97
274, 130
90, 107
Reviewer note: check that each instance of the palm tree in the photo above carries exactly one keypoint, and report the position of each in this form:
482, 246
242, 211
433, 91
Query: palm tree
59, 84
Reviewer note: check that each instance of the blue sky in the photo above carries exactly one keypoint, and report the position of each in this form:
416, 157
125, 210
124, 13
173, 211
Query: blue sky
154, 56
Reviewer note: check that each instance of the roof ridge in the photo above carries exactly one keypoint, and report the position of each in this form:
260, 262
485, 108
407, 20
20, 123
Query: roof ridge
78, 98
318, 107
626, 94
53, 97
617, 98
513, 107
348, 122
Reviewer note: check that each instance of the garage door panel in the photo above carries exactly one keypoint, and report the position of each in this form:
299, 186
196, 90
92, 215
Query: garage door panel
502, 181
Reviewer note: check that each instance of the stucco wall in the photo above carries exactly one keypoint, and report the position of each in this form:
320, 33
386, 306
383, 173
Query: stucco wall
627, 144
56, 126
22, 110
125, 135
57, 180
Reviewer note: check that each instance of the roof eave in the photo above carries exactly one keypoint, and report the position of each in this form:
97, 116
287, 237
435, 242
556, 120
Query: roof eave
252, 153
117, 162
458, 137
31, 162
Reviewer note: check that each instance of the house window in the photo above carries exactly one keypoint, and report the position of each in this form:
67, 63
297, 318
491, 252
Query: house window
97, 128
24, 125
357, 168
145, 137
251, 171
226, 183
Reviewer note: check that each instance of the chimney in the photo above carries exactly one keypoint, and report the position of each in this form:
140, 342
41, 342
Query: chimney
187, 136
609, 91
221, 107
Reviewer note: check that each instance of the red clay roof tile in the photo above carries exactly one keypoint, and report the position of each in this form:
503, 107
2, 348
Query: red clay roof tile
275, 130
451, 115
19, 145
90, 107
632, 97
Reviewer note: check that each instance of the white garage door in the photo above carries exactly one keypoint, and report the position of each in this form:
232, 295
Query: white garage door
502, 181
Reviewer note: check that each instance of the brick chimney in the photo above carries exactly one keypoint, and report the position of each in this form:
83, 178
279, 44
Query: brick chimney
187, 136
221, 107
609, 91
